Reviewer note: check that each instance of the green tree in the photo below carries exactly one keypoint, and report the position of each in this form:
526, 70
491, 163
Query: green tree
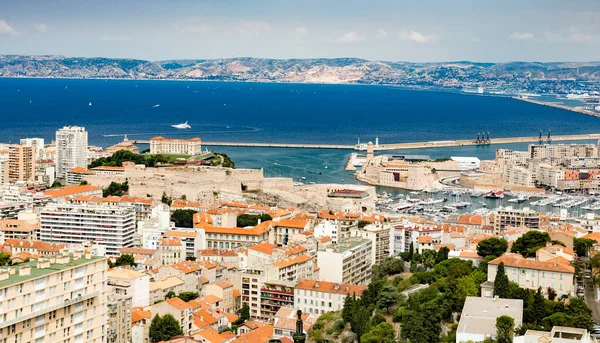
428, 258
252, 219
383, 332
582, 246
538, 307
360, 322
411, 251
245, 313
501, 282
388, 266
164, 328
170, 294
492, 247
4, 258
56, 184
83, 183
377, 319
115, 189
183, 218
188, 296
388, 297
126, 260
363, 223
348, 308
557, 319
165, 199
530, 242
505, 327
442, 255
551, 293
369, 296
580, 312
418, 327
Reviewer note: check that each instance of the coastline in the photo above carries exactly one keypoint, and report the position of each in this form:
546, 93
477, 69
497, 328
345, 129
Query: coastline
559, 106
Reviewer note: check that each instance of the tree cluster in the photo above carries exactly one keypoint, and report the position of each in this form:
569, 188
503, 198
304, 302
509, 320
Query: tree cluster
183, 218
530, 242
115, 189
117, 159
164, 328
252, 219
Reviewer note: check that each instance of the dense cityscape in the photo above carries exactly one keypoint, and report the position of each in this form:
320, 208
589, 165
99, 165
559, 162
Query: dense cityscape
299, 172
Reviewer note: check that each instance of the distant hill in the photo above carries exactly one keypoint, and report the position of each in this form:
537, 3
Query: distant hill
524, 75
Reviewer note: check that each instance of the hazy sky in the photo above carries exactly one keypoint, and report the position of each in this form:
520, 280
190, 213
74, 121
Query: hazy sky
441, 30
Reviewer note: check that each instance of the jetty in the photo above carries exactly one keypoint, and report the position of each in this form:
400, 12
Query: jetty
399, 146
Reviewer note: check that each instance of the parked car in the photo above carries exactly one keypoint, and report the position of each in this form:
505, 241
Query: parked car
588, 275
580, 293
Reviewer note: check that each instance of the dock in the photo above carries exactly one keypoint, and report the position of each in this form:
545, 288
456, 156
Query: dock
399, 146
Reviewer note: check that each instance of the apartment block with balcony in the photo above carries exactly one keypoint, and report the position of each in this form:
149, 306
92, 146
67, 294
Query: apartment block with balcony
110, 226
252, 283
508, 216
21, 163
58, 299
319, 297
346, 262
119, 316
275, 295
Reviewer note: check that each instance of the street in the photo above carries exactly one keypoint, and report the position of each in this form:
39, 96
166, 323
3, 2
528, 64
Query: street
590, 299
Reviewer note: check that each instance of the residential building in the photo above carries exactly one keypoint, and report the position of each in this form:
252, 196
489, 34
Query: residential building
508, 216
283, 230
18, 229
161, 145
118, 328
21, 163
77, 174
37, 144
347, 262
124, 281
275, 295
109, 226
231, 237
519, 176
171, 251
478, 318
284, 322
252, 282
140, 325
179, 309
161, 287
71, 149
558, 334
11, 210
379, 234
224, 291
61, 299
62, 194
319, 297
192, 239
556, 273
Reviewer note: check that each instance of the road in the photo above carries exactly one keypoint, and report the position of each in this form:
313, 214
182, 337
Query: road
590, 299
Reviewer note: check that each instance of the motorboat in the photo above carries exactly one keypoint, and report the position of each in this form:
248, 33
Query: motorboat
182, 126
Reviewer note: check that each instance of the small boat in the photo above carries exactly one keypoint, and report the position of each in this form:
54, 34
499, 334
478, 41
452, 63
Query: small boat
495, 195
182, 126
90, 104
155, 106
326, 167
303, 178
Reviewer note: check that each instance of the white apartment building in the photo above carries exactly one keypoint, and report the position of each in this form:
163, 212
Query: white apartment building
346, 262
123, 281
109, 226
380, 236
71, 149
37, 144
162, 145
327, 228
406, 234
192, 239
60, 299
318, 297
548, 175
519, 176
556, 273
555, 151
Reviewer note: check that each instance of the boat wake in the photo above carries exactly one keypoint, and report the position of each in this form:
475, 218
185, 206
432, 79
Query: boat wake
155, 106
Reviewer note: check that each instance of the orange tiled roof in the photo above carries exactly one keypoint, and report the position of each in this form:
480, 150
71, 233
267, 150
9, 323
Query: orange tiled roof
329, 287
61, 192
205, 316
293, 223
223, 284
178, 303
470, 219
265, 248
291, 261
254, 231
187, 266
17, 225
212, 299
170, 242
137, 251
174, 233
558, 264
217, 252
261, 334
138, 314
236, 293
424, 239
79, 170
294, 250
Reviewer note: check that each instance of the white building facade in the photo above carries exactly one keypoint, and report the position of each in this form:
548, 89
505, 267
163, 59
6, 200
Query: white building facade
71, 149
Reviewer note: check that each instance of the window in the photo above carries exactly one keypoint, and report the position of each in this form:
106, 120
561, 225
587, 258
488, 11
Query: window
533, 273
561, 276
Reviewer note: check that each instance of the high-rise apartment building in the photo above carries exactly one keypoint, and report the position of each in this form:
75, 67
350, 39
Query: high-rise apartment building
59, 299
21, 163
349, 261
71, 149
110, 226
36, 143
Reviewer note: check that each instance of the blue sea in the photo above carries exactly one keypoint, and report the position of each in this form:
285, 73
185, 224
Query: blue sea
270, 112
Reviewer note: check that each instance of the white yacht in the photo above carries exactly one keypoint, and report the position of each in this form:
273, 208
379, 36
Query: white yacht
182, 126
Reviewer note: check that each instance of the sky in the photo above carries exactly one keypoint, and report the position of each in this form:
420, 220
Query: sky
400, 30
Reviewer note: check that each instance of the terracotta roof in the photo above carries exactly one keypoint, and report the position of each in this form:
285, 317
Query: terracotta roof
291, 261
470, 219
210, 335
172, 242
113, 168
231, 317
259, 335
254, 231
339, 215
469, 254
178, 303
34, 245
173, 233
168, 282
265, 248
187, 266
18, 225
137, 251
424, 239
205, 316
236, 293
223, 284
293, 223
79, 170
124, 273
556, 247
138, 314
61, 192
325, 239
212, 299
594, 235
217, 252
557, 264
294, 250
329, 287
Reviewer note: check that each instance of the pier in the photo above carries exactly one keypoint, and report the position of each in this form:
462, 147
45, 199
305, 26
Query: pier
398, 146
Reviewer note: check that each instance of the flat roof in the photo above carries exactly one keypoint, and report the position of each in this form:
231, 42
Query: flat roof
342, 247
36, 273
479, 314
